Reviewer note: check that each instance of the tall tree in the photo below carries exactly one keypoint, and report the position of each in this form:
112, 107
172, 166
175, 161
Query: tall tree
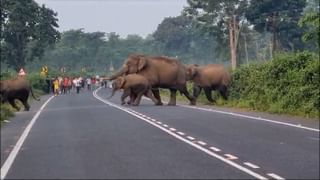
280, 18
25, 27
221, 17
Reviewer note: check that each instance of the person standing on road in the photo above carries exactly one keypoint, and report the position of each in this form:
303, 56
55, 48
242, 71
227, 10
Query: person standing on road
56, 88
78, 84
89, 83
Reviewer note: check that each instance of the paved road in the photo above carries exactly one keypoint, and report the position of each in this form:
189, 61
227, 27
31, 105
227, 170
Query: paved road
87, 136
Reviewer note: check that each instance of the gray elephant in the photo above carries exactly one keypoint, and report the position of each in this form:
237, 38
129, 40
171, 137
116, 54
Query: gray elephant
161, 72
209, 77
16, 89
135, 86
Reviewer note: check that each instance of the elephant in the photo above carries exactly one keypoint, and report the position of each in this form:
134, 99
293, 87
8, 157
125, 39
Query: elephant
135, 86
209, 77
16, 89
161, 72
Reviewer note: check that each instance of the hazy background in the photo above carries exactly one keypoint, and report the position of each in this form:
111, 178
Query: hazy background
121, 16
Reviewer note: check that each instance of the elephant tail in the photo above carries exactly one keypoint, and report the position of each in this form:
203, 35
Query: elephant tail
38, 99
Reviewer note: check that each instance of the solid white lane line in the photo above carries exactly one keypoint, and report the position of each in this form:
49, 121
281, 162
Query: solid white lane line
202, 143
230, 157
191, 138
172, 129
275, 176
231, 163
251, 165
252, 117
214, 149
13, 154
181, 133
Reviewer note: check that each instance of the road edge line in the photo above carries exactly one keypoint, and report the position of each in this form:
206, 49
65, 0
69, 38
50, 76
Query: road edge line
14, 152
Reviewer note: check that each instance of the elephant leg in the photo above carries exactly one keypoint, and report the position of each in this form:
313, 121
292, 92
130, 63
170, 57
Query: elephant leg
156, 93
196, 91
149, 95
124, 95
184, 91
133, 97
138, 99
173, 94
13, 104
224, 92
208, 94
26, 105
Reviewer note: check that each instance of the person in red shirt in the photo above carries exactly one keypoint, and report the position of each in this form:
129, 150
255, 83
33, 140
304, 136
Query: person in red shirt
65, 84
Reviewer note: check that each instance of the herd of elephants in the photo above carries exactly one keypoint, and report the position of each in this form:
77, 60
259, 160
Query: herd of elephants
144, 75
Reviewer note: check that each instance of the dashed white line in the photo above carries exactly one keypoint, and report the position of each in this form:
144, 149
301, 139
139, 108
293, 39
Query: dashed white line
191, 138
165, 125
159, 122
181, 133
275, 176
202, 143
251, 165
214, 149
172, 129
230, 157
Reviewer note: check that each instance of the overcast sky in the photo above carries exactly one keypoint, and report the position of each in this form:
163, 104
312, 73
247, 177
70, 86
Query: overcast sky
121, 16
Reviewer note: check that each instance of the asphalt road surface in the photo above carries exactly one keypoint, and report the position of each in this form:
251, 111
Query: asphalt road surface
87, 136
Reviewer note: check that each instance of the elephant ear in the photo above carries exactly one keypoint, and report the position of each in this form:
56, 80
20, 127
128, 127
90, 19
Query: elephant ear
120, 82
142, 63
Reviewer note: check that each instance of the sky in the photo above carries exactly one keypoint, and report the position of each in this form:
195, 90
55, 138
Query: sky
124, 17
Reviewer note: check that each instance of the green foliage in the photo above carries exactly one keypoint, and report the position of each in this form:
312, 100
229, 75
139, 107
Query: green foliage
6, 112
26, 29
279, 18
312, 20
288, 84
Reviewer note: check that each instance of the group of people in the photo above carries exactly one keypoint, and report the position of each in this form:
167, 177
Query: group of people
64, 85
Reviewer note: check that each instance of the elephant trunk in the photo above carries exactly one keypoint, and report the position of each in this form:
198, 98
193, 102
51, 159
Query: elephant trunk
112, 93
123, 71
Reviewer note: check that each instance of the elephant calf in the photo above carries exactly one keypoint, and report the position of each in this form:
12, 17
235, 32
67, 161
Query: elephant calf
135, 86
209, 77
16, 89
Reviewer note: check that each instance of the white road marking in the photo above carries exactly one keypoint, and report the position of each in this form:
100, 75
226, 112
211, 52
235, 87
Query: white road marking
191, 138
214, 149
230, 157
251, 165
275, 176
252, 117
159, 122
13, 154
165, 125
181, 133
231, 163
172, 129
153, 119
202, 143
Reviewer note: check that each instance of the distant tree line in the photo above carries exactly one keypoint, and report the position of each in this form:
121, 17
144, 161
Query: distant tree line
231, 32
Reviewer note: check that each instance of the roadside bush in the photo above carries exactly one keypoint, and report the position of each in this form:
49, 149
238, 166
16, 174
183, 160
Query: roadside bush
287, 84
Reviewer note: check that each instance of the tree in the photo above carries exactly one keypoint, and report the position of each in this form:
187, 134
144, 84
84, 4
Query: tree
26, 30
312, 20
221, 17
279, 18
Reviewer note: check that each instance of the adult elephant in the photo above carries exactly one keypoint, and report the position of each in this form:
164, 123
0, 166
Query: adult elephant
16, 89
209, 77
161, 72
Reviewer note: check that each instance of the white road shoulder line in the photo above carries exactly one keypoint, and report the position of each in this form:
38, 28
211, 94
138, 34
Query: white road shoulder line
13, 154
252, 117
